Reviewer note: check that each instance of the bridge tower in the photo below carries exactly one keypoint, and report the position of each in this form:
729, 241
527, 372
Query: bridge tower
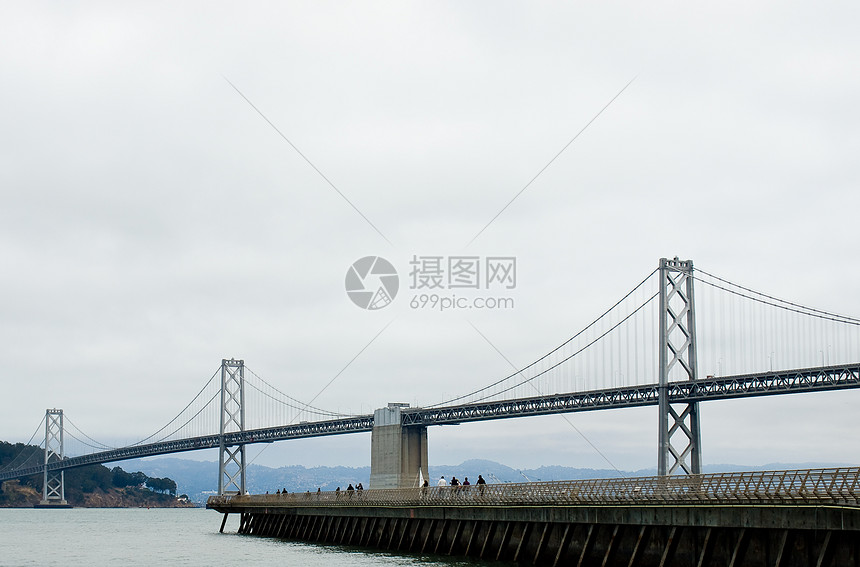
677, 361
53, 483
231, 458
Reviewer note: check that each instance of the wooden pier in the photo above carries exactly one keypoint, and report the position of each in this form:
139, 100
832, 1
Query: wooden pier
784, 518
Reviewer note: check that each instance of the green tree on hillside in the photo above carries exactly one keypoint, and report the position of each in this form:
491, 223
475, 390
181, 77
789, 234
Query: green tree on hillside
121, 479
163, 485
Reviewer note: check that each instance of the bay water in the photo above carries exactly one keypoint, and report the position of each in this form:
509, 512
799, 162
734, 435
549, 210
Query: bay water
158, 536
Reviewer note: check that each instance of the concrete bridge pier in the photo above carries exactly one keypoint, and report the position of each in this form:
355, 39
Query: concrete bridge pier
397, 453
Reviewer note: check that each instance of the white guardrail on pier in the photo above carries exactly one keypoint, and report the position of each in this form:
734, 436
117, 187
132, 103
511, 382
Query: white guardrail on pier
838, 486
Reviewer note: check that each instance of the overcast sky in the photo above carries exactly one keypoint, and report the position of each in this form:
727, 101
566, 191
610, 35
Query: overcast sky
153, 222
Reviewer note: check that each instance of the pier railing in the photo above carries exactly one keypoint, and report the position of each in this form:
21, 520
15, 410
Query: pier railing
837, 486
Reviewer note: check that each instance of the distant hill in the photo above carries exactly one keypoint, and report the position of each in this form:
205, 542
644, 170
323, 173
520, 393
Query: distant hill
199, 479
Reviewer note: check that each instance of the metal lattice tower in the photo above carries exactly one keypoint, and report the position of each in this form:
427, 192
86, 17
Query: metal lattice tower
53, 485
231, 460
678, 423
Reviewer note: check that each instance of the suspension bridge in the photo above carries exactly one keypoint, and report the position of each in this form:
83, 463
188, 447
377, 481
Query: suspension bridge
647, 349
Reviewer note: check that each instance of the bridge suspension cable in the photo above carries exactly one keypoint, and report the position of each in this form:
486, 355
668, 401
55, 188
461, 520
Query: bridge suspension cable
189, 420
775, 301
563, 360
329, 383
290, 401
743, 330
151, 438
484, 393
14, 462
33, 458
99, 446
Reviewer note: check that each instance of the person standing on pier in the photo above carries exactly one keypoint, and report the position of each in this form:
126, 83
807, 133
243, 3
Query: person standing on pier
442, 481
